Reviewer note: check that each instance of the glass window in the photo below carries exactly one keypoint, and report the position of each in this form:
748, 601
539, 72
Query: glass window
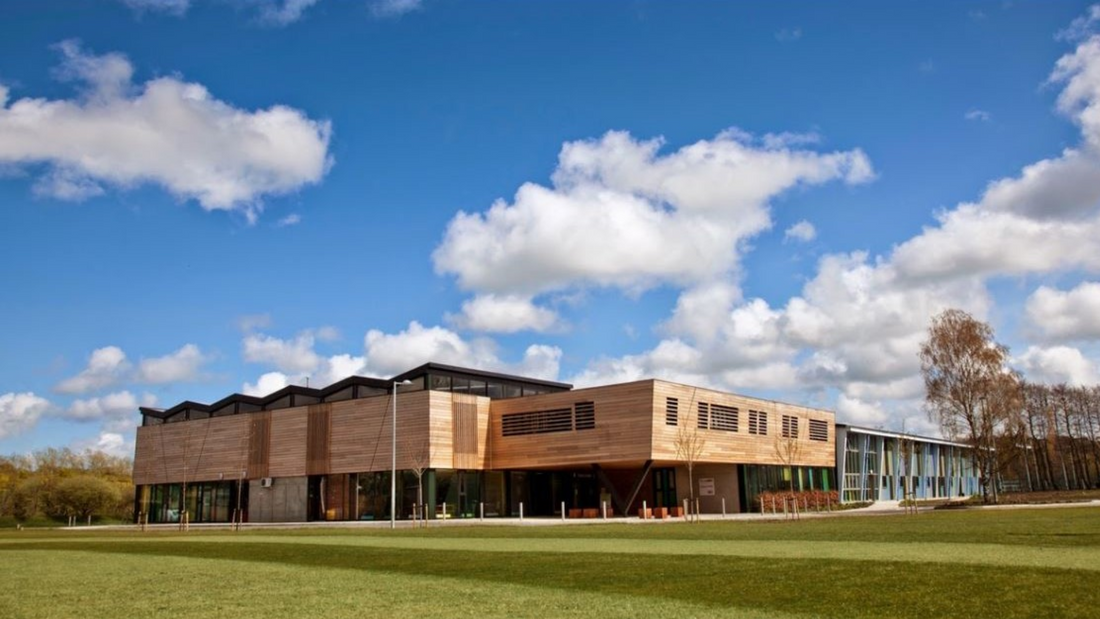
440, 383
512, 391
496, 391
461, 385
477, 387
343, 394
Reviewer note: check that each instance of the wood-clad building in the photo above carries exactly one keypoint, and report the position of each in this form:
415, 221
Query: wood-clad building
472, 443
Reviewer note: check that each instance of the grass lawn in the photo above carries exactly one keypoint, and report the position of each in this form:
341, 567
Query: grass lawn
1003, 563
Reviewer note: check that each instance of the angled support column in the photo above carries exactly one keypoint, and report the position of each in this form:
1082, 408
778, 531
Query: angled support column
617, 501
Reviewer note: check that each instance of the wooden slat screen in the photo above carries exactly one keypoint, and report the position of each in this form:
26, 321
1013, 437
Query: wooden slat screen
259, 444
464, 419
317, 439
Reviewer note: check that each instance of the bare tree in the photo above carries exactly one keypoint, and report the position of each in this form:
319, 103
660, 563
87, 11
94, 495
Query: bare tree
905, 451
689, 447
969, 390
419, 453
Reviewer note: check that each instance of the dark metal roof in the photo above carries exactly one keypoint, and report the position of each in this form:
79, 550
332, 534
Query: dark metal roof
340, 385
429, 367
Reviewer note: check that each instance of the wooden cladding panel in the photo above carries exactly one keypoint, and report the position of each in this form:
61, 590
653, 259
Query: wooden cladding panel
288, 445
259, 444
362, 431
623, 420
200, 450
721, 446
317, 439
464, 431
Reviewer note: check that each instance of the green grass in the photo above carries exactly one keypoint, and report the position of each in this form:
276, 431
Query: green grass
1019, 563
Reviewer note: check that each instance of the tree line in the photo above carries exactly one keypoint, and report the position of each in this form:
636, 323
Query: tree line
58, 484
1038, 436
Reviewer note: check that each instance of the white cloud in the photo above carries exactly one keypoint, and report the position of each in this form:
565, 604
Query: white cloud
166, 131
296, 355
505, 314
1068, 315
267, 383
118, 411
394, 8
621, 214
290, 220
802, 231
111, 443
180, 366
388, 354
859, 412
19, 412
107, 366
1057, 364
1081, 28
979, 115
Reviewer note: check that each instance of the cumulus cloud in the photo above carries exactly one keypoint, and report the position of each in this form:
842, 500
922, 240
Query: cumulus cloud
1057, 364
294, 355
1066, 315
106, 367
391, 353
109, 366
621, 214
20, 412
117, 411
802, 231
1082, 27
182, 365
166, 132
269, 382
856, 328
112, 443
507, 313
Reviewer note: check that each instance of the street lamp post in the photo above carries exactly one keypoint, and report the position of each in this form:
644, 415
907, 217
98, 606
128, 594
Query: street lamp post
393, 457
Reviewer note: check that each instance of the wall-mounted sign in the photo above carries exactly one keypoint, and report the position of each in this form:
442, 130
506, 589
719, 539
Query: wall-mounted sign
706, 486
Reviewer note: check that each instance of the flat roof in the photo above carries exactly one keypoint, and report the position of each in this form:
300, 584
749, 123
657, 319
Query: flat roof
893, 434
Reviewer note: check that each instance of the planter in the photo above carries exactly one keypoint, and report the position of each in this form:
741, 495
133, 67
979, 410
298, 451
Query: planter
660, 512
676, 512
645, 514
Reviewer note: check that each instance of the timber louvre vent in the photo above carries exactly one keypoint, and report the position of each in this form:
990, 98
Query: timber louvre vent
790, 426
723, 417
819, 430
704, 413
672, 411
584, 415
758, 422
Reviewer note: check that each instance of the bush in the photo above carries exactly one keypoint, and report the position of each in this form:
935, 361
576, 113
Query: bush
807, 500
85, 496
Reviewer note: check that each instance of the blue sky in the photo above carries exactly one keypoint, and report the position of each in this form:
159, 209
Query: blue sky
202, 197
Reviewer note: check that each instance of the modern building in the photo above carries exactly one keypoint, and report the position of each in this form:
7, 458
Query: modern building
472, 443
876, 465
